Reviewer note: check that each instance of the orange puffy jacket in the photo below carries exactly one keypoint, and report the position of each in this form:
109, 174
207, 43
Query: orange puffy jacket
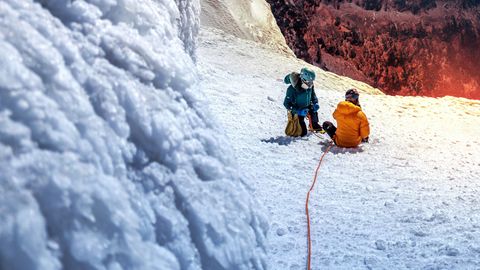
352, 124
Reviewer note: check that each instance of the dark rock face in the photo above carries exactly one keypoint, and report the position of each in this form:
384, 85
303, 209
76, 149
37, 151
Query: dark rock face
404, 47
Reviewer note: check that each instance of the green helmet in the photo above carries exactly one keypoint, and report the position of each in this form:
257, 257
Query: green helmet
307, 75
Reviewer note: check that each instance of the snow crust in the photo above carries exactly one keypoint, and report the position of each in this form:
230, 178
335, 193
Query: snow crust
109, 157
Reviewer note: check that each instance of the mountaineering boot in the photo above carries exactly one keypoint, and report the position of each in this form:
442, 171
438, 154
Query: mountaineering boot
330, 128
317, 128
313, 123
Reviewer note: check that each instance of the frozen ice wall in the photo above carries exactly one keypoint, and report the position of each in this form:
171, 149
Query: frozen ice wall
109, 158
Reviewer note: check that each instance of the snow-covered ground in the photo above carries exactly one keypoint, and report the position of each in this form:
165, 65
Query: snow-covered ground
408, 199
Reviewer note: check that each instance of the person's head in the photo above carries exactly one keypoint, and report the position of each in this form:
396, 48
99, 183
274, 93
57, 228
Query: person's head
307, 76
352, 95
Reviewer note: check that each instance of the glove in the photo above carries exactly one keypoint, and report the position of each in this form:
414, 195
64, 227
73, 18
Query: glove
302, 112
315, 107
365, 140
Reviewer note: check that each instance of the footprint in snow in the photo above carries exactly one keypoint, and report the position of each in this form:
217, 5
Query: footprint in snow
380, 245
281, 231
295, 267
449, 251
419, 233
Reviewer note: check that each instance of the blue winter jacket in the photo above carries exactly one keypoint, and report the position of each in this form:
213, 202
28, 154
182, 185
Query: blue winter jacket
298, 98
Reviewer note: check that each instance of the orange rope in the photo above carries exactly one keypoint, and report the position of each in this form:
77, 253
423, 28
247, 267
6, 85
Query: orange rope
306, 205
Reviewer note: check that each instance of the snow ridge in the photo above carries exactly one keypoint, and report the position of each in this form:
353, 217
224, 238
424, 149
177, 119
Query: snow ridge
109, 158
250, 20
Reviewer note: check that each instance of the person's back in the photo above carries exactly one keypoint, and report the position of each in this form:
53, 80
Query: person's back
353, 127
352, 124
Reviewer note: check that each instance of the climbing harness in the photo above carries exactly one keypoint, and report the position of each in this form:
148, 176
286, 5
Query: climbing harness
306, 203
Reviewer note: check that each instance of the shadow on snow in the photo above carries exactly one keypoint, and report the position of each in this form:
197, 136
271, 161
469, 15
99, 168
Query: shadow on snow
286, 140
340, 150
281, 140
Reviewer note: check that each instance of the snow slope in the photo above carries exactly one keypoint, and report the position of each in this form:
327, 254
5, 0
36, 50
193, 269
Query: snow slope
409, 199
109, 156
251, 20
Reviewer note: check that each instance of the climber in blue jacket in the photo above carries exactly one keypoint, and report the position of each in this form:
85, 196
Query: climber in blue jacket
301, 99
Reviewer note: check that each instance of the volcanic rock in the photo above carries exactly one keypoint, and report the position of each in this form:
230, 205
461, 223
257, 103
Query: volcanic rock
404, 47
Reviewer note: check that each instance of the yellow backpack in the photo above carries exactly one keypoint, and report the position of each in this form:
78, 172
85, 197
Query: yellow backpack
293, 125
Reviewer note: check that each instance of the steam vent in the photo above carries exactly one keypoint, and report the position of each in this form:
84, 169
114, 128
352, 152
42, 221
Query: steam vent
403, 47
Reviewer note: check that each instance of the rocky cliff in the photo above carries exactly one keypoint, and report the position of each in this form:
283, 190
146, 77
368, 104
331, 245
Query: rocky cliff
404, 47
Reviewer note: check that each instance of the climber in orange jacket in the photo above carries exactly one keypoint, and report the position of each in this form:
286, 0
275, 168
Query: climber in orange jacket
353, 127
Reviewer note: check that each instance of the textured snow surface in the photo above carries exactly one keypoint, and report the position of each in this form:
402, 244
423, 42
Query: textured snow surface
407, 200
109, 158
251, 20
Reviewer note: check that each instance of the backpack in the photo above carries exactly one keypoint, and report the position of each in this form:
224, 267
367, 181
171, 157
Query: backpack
293, 125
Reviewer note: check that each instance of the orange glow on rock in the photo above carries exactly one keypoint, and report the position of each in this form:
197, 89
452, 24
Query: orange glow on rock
420, 48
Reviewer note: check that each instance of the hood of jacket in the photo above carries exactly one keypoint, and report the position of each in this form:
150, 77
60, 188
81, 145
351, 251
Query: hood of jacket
294, 79
346, 107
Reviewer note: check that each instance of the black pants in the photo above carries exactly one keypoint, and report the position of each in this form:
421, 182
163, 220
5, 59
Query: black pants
313, 115
330, 128
301, 119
